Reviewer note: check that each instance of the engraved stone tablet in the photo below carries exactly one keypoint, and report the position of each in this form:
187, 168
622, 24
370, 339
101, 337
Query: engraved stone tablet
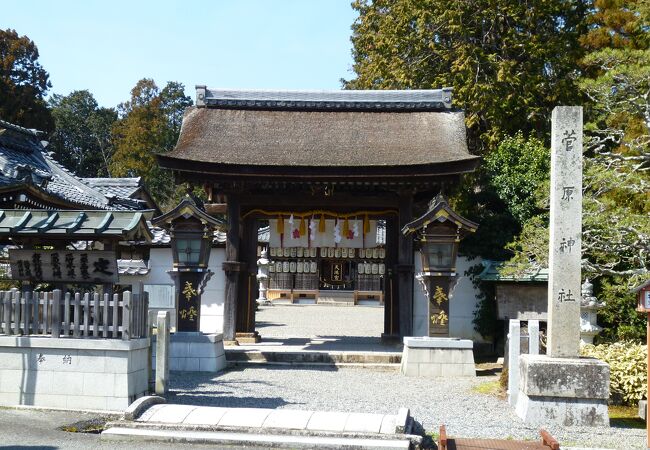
565, 232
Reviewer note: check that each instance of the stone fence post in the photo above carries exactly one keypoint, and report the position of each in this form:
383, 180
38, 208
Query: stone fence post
162, 353
514, 339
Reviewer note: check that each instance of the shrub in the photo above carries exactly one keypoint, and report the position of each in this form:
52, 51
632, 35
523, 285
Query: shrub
628, 369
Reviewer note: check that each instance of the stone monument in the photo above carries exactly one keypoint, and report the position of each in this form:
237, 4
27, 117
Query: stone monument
560, 387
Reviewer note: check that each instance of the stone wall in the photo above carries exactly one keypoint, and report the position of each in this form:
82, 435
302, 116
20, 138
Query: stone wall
99, 374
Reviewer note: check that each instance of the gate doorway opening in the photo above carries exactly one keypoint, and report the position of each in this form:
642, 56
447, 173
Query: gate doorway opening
328, 283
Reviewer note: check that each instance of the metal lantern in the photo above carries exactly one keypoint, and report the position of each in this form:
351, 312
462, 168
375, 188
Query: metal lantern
439, 230
191, 246
191, 230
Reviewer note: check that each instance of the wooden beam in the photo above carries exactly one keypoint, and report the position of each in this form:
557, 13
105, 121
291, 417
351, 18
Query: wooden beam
299, 201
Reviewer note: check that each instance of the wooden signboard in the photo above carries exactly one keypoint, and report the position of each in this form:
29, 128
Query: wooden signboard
71, 266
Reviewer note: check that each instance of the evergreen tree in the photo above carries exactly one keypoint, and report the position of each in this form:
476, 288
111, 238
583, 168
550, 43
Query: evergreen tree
82, 136
508, 61
149, 124
23, 83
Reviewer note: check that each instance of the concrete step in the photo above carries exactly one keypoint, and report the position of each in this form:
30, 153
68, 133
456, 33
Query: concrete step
388, 359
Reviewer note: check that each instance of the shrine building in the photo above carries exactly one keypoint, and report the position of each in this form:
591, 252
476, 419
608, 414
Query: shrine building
325, 171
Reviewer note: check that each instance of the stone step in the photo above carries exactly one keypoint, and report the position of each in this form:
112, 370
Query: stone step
389, 359
151, 419
251, 440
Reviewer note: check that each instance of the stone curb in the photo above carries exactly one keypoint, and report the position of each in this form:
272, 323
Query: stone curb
254, 431
262, 440
139, 406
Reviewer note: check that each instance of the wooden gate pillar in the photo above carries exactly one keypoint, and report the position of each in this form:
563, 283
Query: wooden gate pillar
391, 299
246, 300
405, 266
231, 267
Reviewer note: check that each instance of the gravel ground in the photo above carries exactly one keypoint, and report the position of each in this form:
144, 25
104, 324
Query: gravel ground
432, 402
290, 321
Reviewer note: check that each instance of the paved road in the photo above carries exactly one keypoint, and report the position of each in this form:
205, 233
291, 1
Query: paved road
39, 429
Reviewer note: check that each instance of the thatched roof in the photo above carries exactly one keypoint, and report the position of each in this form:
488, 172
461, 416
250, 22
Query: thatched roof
408, 129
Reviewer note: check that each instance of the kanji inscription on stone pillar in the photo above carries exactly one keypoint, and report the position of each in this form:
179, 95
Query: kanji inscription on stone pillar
565, 233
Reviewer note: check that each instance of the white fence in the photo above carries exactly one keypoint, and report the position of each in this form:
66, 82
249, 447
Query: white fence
87, 315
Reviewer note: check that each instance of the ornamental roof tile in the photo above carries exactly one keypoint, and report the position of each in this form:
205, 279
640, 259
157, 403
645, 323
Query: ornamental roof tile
132, 267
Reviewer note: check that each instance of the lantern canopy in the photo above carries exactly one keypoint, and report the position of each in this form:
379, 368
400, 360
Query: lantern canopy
439, 230
191, 230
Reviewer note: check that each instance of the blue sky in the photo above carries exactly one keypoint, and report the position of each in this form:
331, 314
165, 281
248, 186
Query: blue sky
107, 46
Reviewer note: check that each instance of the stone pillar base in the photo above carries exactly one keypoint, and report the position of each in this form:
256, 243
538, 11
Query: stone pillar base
563, 391
248, 338
437, 357
196, 352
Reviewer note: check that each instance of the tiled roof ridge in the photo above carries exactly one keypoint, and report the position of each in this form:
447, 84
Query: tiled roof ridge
111, 181
29, 131
394, 100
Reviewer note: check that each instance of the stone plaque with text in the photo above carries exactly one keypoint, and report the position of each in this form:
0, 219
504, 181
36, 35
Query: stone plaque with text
565, 233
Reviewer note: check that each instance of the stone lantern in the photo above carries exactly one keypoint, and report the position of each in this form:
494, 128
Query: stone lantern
263, 277
589, 306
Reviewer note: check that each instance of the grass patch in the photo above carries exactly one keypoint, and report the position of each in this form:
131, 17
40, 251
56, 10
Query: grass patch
625, 417
93, 426
490, 388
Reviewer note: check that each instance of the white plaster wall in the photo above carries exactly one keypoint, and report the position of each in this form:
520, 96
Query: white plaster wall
213, 296
463, 300
161, 261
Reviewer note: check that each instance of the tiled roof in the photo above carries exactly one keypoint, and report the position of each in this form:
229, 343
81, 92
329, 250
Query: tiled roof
132, 267
162, 238
376, 100
90, 224
121, 187
23, 161
492, 273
